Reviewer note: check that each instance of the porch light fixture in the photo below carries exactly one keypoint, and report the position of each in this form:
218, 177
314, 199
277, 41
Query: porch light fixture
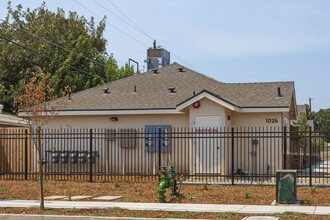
114, 119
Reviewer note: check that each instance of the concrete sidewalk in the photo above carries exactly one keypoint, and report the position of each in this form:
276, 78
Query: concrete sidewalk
245, 209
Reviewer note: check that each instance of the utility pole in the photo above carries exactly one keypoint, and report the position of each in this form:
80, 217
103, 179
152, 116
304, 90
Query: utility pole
310, 108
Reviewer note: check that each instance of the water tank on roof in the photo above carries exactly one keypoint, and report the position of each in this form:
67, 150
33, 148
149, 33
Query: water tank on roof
157, 57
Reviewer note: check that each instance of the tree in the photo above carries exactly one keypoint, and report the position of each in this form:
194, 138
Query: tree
37, 110
75, 35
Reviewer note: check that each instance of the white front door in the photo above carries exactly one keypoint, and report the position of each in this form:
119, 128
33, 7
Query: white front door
208, 144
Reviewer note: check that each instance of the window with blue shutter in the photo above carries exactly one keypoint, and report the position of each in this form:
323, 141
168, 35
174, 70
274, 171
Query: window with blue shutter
152, 138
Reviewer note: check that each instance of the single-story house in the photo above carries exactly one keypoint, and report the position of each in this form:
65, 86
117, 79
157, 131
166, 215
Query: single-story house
175, 96
10, 121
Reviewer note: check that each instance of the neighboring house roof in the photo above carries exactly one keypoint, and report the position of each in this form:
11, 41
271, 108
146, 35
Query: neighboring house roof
301, 109
152, 92
8, 120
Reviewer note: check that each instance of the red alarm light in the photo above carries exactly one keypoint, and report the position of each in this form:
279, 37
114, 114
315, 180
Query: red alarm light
196, 104
228, 117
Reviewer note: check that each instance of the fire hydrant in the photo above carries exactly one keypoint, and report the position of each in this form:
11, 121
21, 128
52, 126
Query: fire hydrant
167, 180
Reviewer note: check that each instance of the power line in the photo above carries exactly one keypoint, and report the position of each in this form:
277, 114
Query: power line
112, 25
36, 52
133, 26
130, 20
142, 31
54, 44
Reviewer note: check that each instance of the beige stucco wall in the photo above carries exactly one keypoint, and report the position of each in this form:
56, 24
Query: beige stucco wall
124, 121
255, 119
207, 107
253, 158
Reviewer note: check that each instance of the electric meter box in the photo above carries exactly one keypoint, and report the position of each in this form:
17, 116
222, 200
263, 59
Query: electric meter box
286, 186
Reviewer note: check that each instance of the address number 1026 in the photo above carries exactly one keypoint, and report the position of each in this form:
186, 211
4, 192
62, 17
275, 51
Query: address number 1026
272, 120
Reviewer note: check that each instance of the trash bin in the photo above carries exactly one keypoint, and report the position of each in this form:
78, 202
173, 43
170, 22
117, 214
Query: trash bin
286, 186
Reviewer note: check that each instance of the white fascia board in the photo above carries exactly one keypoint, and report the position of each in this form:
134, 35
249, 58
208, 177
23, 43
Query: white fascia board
115, 112
209, 96
252, 110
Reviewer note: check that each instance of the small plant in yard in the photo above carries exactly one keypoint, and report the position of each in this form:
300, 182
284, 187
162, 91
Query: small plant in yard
247, 195
216, 185
136, 216
46, 190
116, 184
308, 201
32, 207
49, 212
176, 216
2, 190
191, 196
205, 185
115, 209
187, 213
97, 194
99, 214
148, 211
13, 198
72, 210
312, 188
225, 214
290, 215
69, 193
178, 198
141, 191
261, 183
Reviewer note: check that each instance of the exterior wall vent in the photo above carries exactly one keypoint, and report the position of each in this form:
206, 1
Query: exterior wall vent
172, 89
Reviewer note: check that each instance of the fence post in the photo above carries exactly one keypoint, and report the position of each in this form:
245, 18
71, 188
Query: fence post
285, 145
232, 156
90, 155
159, 150
26, 154
310, 156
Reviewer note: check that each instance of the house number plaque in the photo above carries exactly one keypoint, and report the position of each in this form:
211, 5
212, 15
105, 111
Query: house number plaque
272, 120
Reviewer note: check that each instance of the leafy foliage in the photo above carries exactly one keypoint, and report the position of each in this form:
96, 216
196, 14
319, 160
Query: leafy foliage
35, 99
72, 32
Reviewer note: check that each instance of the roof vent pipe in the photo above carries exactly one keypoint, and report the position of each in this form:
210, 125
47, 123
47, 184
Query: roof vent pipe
172, 89
194, 93
106, 91
134, 88
279, 92
180, 69
155, 71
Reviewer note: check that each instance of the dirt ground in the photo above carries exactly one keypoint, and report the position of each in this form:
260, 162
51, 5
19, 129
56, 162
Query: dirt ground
147, 192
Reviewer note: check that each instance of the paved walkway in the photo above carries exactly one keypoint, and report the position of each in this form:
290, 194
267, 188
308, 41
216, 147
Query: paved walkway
246, 209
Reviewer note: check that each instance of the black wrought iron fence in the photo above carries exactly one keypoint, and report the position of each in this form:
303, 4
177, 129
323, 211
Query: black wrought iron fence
199, 155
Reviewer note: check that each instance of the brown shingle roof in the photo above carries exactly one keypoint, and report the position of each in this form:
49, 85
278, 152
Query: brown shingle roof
153, 92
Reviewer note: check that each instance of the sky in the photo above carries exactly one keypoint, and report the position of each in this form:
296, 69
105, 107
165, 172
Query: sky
232, 41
